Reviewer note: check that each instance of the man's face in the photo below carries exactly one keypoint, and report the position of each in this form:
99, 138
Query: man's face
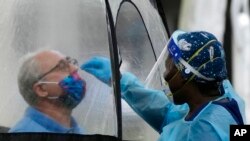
55, 67
175, 81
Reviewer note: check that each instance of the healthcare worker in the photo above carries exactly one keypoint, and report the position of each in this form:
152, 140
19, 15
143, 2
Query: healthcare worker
204, 102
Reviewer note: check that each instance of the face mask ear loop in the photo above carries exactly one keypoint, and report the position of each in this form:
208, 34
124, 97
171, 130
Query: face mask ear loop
166, 83
190, 79
50, 82
174, 75
53, 97
47, 82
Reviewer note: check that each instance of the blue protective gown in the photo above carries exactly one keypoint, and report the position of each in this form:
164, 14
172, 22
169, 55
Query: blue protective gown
210, 123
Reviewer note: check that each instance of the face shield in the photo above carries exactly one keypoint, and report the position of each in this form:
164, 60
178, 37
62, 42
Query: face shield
197, 55
155, 79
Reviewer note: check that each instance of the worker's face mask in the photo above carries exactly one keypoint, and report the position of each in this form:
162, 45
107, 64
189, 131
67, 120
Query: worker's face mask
173, 86
169, 75
74, 88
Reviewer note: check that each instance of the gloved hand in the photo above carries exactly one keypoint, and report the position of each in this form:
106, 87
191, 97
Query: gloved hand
100, 67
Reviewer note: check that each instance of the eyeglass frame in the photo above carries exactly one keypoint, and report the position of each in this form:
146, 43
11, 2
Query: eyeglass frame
67, 59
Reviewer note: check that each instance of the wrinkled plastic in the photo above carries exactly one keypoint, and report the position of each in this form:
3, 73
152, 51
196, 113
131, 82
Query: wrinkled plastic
66, 26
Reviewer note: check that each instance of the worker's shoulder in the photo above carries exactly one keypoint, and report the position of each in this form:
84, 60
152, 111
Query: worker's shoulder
219, 112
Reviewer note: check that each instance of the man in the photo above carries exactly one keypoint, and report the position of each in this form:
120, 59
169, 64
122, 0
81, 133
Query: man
205, 104
50, 84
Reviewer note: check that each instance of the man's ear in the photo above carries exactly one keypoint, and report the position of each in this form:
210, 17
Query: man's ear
40, 90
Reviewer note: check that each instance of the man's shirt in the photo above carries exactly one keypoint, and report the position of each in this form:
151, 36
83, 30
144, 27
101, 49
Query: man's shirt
36, 121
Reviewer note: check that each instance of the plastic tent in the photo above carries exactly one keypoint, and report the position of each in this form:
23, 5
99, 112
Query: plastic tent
129, 32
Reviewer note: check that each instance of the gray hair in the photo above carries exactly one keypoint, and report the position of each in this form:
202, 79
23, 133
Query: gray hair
28, 74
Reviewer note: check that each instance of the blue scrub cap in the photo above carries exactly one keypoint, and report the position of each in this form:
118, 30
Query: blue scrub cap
198, 55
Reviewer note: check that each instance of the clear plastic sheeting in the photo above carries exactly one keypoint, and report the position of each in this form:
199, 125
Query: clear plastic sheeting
136, 50
151, 18
76, 28
139, 54
155, 78
137, 57
241, 50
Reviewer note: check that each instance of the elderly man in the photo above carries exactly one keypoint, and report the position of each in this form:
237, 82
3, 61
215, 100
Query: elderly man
50, 84
204, 102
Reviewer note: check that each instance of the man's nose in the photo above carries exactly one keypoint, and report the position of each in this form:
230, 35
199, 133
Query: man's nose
73, 68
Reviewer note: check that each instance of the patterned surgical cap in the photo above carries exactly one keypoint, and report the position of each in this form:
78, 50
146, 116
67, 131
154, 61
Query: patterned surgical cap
203, 52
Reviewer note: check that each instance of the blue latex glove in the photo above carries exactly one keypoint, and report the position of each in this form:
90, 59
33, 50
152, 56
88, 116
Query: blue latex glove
100, 67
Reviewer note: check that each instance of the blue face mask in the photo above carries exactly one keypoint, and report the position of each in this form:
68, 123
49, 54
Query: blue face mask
74, 88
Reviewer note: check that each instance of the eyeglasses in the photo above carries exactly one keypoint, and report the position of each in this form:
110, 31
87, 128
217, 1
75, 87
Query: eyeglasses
63, 65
